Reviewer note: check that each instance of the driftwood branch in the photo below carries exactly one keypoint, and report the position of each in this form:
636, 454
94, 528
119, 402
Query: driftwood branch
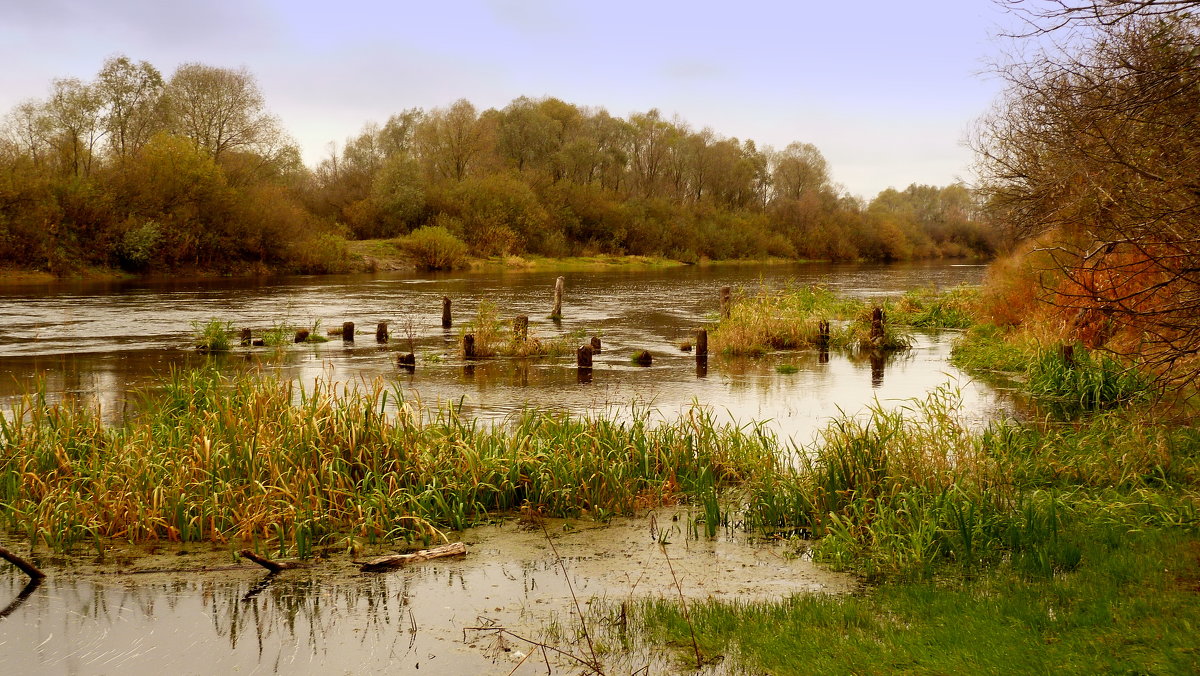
273, 566
401, 560
25, 566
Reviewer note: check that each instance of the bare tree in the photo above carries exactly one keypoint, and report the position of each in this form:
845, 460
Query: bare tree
1097, 151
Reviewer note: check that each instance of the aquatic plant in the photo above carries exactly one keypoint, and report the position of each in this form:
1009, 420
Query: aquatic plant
212, 336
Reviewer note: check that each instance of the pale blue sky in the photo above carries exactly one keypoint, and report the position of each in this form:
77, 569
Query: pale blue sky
886, 89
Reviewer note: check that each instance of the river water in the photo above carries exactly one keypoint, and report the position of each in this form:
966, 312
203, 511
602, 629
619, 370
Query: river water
100, 342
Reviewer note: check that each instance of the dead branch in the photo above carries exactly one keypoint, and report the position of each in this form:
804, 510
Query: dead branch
401, 560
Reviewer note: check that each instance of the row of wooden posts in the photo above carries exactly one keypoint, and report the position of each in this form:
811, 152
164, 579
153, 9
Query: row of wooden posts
584, 354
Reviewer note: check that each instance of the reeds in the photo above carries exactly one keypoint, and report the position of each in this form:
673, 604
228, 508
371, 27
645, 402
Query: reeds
262, 459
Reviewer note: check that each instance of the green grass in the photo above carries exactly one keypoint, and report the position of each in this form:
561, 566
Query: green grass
495, 337
212, 336
1133, 610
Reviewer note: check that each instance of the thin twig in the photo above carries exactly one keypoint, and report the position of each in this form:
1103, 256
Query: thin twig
686, 616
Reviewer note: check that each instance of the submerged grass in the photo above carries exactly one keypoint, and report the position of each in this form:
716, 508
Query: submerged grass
258, 458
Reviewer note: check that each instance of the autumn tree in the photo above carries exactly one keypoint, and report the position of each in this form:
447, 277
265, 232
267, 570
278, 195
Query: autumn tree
1093, 151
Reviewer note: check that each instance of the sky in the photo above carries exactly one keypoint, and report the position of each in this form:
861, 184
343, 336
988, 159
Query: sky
886, 89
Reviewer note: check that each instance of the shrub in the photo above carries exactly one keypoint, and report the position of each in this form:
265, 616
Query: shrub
434, 247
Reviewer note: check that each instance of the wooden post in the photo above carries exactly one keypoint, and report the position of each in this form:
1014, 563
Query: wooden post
877, 319
301, 336
408, 362
25, 566
247, 337
583, 356
643, 358
701, 343
726, 301
558, 296
469, 346
381, 332
1068, 355
823, 333
445, 312
521, 328
348, 332
595, 345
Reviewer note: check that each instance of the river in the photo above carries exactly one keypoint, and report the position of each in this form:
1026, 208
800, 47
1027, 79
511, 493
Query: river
99, 342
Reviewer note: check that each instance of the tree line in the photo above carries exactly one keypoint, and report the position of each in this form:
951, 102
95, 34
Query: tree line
142, 172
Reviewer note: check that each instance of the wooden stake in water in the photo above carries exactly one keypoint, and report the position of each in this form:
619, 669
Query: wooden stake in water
877, 326
381, 332
445, 312
595, 345
247, 337
469, 346
583, 356
701, 343
559, 284
726, 301
301, 336
348, 332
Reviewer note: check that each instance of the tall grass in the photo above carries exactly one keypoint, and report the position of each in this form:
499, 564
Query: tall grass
495, 337
261, 459
1085, 381
212, 336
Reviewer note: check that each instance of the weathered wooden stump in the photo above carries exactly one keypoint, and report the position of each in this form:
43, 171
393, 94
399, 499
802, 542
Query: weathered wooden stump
823, 333
469, 346
701, 343
381, 332
247, 337
1068, 355
258, 342
595, 345
643, 358
559, 284
726, 301
348, 332
521, 328
583, 356
446, 312
408, 362
301, 336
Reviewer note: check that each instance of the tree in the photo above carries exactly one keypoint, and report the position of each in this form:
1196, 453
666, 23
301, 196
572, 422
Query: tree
75, 125
222, 110
451, 140
1095, 150
131, 94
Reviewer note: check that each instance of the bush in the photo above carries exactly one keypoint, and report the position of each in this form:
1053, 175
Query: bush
434, 247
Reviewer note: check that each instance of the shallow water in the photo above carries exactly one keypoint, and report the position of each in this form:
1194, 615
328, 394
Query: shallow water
100, 342
440, 617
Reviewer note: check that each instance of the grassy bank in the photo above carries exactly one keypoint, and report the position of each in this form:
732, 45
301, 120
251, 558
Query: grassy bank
1067, 545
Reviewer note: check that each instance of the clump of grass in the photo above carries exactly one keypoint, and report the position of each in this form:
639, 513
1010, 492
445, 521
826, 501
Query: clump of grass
494, 337
777, 320
787, 368
929, 308
1084, 381
213, 335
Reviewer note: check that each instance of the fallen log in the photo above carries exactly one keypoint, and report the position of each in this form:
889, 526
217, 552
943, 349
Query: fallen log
273, 566
25, 566
401, 560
